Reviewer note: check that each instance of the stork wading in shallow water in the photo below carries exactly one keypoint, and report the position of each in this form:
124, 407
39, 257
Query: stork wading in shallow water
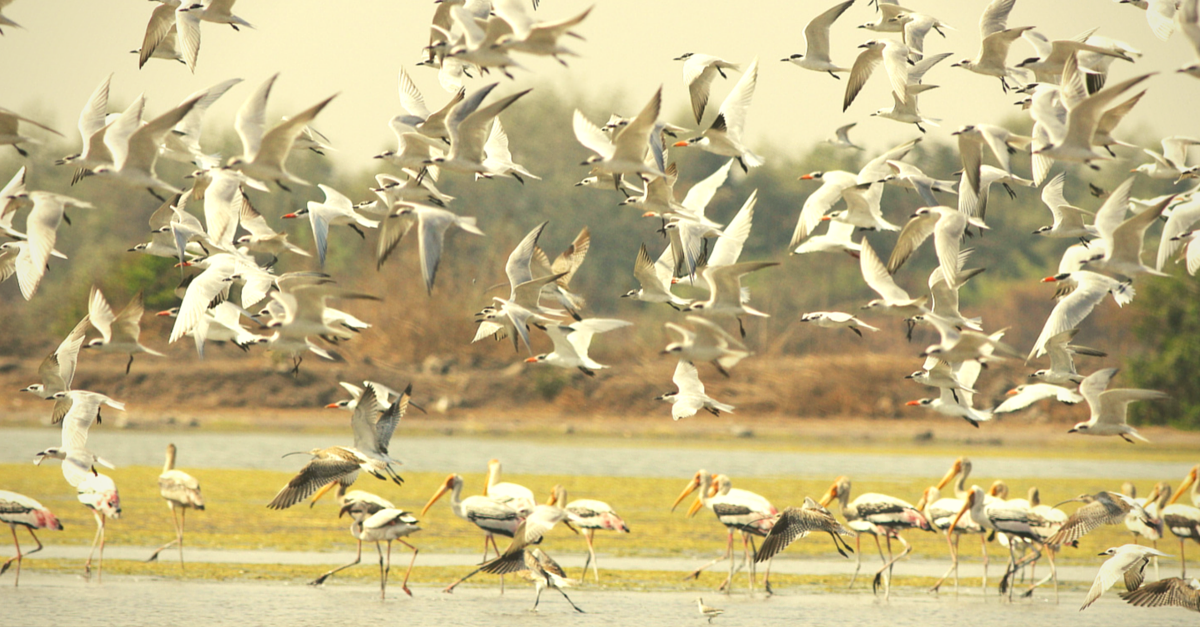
878, 515
493, 517
181, 491
1183, 521
18, 509
739, 510
590, 515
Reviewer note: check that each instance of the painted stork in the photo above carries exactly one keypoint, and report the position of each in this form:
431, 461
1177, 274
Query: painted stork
940, 513
877, 515
1001, 517
18, 509
590, 515
515, 496
739, 510
493, 517
181, 491
1184, 520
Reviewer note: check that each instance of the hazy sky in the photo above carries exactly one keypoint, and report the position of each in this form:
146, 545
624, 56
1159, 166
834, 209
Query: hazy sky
67, 47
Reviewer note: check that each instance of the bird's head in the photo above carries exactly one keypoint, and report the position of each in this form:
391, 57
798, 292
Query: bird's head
684, 57
536, 358
965, 63
94, 343
630, 294
1042, 229
793, 57
688, 142
295, 214
669, 397
1080, 428
964, 129
923, 401
811, 176
1058, 277
172, 312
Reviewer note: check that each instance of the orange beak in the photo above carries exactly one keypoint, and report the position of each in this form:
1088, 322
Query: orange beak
691, 487
531, 360
825, 219
829, 496
912, 403
1183, 487
696, 505
649, 214
163, 313
1049, 279
331, 406
806, 177
954, 470
437, 495
183, 264
288, 216
679, 144
1012, 392
970, 500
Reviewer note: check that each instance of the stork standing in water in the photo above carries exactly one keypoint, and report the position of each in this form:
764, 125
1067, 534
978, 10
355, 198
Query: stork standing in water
513, 495
1002, 517
940, 513
1184, 520
18, 509
878, 515
181, 491
738, 510
490, 515
385, 525
523, 557
590, 515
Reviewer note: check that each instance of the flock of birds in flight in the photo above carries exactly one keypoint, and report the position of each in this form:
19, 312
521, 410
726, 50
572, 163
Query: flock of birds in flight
1075, 112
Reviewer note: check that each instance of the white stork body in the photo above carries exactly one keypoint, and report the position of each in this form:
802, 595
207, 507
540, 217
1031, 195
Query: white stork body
590, 515
513, 495
490, 515
877, 515
1184, 520
739, 510
18, 509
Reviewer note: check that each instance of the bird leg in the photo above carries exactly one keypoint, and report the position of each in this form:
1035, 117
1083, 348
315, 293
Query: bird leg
282, 186
130, 364
383, 570
1182, 561
588, 534
560, 591
87, 566
536, 599
18, 558
728, 551
404, 584
835, 75
357, 558
857, 559
154, 556
983, 545
953, 566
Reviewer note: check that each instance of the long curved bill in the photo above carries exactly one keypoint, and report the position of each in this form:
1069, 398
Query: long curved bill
967, 503
696, 505
954, 470
829, 496
691, 487
437, 495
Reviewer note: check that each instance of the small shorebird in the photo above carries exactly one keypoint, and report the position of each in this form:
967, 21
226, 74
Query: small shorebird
708, 611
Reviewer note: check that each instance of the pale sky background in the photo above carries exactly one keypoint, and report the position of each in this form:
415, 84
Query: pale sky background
356, 47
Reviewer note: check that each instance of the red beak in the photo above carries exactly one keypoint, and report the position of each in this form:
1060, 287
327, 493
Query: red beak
912, 403
679, 144
1049, 279
806, 177
289, 215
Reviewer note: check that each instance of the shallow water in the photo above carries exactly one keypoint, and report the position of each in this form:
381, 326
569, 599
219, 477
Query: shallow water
447, 454
137, 601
